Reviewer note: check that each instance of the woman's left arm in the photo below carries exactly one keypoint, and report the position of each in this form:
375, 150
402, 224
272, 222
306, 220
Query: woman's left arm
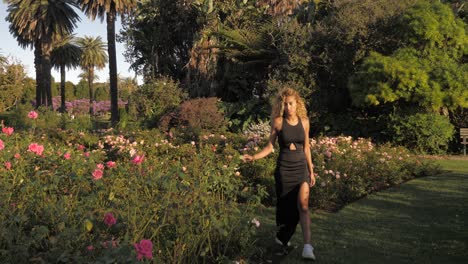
310, 166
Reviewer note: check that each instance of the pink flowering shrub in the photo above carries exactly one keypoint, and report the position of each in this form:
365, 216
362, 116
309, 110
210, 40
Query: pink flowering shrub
109, 219
63, 184
33, 115
8, 130
345, 169
36, 148
144, 249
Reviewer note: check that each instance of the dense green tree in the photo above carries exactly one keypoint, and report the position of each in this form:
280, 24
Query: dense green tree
110, 9
93, 57
344, 33
101, 91
429, 73
41, 23
66, 54
12, 80
81, 89
159, 35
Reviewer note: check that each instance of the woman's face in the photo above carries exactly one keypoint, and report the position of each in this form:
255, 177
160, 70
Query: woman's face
290, 105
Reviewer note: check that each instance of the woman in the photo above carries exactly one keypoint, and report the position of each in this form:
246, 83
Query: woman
294, 170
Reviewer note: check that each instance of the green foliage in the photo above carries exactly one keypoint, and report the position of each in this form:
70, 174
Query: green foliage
344, 34
240, 115
346, 169
431, 74
424, 133
101, 92
12, 82
432, 82
159, 37
293, 44
431, 24
154, 99
18, 118
54, 210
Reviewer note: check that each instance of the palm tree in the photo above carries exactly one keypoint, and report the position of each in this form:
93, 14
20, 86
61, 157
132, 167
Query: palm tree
39, 24
250, 52
66, 54
93, 56
110, 9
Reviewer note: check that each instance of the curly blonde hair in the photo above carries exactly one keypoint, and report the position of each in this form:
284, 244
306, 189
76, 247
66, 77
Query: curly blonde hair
278, 104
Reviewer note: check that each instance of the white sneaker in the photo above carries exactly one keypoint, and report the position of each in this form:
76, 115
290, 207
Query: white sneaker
281, 243
308, 252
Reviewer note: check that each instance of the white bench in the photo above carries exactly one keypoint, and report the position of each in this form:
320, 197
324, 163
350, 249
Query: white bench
464, 138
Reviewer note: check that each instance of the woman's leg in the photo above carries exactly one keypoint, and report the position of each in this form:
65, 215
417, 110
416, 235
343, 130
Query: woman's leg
304, 216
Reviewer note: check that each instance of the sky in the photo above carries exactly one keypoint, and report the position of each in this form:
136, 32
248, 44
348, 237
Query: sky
9, 48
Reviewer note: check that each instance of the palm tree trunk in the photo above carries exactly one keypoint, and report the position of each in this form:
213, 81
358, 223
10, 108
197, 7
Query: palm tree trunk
112, 66
38, 66
62, 88
90, 85
47, 66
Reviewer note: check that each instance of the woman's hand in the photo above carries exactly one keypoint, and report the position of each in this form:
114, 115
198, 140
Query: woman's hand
312, 179
247, 158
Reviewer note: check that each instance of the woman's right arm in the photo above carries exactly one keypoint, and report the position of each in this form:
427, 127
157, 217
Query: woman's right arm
275, 127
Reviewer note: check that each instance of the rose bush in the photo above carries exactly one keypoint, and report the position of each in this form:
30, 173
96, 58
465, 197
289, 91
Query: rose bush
74, 196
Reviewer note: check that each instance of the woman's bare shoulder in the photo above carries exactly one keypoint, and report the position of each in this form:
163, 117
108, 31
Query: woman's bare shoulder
305, 121
277, 123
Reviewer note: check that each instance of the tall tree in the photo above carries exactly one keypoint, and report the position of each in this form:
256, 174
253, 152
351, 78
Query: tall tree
12, 80
93, 56
66, 54
430, 72
109, 9
40, 23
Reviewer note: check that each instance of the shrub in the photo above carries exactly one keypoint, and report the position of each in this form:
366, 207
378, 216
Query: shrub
242, 114
424, 133
196, 115
183, 198
155, 98
345, 169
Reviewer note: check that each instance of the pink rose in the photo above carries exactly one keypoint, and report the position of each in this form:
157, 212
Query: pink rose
36, 148
255, 222
109, 219
110, 164
2, 146
144, 249
137, 159
67, 156
100, 166
97, 174
33, 115
90, 248
8, 130
17, 156
7, 165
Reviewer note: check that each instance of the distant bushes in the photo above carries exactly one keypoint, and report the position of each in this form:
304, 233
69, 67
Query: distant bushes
422, 132
154, 99
196, 115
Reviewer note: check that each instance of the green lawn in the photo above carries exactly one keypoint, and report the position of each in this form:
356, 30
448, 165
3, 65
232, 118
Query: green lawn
422, 221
